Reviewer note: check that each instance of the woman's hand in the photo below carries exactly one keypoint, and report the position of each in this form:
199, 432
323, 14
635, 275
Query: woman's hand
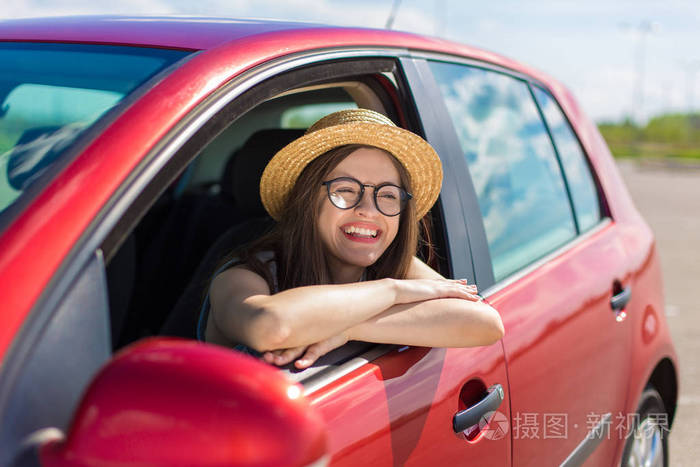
417, 290
308, 354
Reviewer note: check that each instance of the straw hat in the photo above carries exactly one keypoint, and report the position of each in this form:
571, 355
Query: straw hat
354, 126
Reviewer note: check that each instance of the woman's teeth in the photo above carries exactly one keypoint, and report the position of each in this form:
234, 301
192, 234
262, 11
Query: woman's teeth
360, 231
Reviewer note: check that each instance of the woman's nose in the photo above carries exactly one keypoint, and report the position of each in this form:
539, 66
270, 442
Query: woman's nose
366, 204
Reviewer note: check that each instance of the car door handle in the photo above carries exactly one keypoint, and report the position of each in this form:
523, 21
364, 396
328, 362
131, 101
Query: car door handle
620, 300
472, 415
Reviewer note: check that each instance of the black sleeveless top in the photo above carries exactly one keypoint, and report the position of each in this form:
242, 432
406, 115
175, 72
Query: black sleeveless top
265, 257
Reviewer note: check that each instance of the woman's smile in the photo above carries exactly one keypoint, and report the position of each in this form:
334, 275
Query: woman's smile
361, 232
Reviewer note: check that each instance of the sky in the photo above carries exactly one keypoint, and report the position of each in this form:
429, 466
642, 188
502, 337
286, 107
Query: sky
621, 59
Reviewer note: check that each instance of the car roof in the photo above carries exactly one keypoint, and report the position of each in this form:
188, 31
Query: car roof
194, 33
202, 33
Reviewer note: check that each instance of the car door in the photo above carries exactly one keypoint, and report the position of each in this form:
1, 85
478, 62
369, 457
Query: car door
555, 258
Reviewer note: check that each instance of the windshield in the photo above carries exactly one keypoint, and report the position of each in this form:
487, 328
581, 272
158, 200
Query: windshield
51, 93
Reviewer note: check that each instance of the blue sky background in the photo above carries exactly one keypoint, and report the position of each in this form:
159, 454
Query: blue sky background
592, 47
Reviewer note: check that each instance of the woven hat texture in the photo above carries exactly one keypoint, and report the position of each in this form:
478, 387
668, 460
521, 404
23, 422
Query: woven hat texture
354, 126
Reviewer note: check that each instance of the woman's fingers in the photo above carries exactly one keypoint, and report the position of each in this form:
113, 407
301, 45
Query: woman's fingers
283, 356
312, 354
459, 289
466, 284
315, 351
463, 293
415, 290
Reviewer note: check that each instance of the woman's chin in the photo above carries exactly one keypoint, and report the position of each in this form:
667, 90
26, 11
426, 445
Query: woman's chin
362, 260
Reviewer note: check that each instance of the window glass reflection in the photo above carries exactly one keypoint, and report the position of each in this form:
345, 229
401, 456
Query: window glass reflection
516, 175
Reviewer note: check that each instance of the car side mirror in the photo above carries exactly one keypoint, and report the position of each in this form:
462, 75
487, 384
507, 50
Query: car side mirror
166, 401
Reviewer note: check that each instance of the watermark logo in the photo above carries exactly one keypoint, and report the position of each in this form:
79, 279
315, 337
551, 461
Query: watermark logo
494, 425
532, 426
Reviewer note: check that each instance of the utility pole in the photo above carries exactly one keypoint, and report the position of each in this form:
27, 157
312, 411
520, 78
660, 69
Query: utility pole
690, 67
643, 29
392, 14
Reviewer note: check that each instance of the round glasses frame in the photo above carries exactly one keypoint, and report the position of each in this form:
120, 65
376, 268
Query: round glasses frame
404, 195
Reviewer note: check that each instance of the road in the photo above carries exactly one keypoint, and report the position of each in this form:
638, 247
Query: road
669, 199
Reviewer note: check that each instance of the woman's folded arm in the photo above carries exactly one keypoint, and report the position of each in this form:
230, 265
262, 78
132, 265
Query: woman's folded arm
244, 311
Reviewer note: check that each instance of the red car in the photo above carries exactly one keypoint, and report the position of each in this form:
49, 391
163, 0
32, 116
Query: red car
130, 154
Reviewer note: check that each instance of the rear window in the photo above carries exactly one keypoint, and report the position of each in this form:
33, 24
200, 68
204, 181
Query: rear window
51, 93
518, 181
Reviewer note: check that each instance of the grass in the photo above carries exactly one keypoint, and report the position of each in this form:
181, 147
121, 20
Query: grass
675, 136
655, 150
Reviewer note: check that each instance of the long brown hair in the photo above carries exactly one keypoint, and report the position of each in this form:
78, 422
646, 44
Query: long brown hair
297, 246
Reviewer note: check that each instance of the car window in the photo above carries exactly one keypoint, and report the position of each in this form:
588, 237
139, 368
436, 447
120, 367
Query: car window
50, 93
303, 116
578, 173
516, 174
296, 110
211, 209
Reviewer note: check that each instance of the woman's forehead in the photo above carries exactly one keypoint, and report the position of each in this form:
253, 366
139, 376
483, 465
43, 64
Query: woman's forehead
369, 165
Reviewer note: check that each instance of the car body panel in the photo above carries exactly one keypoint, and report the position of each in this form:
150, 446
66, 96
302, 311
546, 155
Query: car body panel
566, 353
407, 399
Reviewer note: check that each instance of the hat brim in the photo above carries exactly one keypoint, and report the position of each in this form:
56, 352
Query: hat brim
413, 152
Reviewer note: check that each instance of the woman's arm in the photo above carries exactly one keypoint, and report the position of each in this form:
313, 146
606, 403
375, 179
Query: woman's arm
431, 323
443, 322
242, 309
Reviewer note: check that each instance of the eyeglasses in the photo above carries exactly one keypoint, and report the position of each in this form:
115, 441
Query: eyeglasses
346, 193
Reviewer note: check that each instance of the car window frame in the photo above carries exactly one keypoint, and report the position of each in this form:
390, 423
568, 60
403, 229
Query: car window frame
603, 206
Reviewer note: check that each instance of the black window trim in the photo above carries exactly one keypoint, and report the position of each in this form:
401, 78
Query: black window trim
88, 287
469, 260
604, 209
557, 156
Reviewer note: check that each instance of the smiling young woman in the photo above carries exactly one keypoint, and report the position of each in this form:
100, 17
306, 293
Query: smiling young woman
340, 264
